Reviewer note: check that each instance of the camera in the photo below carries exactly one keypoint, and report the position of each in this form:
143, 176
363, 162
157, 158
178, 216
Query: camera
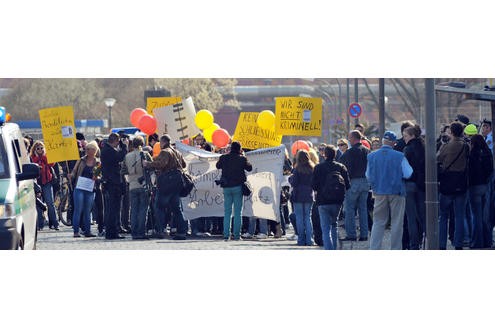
222, 182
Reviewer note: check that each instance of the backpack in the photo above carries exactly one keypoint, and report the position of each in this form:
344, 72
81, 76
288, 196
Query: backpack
334, 188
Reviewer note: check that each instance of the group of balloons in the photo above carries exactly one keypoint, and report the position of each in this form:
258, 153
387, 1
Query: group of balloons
212, 132
143, 121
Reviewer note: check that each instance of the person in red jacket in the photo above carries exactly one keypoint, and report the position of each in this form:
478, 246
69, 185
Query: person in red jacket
38, 156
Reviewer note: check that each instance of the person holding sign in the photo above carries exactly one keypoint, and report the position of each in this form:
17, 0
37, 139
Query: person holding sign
84, 174
233, 176
38, 156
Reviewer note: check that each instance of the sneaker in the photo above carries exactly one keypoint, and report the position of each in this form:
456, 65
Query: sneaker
292, 237
76, 235
261, 236
247, 235
207, 234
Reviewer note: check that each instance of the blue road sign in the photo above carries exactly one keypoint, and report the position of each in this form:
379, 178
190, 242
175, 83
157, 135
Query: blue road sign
355, 110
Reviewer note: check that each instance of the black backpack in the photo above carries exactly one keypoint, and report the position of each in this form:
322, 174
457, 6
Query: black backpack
334, 188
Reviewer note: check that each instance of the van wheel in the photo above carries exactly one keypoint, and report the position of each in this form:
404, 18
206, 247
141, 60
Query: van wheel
20, 244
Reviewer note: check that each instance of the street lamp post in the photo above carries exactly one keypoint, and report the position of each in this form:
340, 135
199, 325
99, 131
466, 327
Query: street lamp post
109, 102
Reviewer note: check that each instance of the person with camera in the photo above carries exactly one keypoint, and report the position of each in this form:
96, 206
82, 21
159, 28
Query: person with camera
452, 158
134, 169
233, 166
112, 154
170, 164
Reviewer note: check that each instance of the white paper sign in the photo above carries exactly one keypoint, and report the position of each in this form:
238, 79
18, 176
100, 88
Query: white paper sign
67, 132
177, 120
207, 199
85, 184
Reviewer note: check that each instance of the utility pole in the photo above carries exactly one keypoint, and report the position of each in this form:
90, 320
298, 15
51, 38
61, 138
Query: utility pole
348, 99
431, 167
356, 97
381, 109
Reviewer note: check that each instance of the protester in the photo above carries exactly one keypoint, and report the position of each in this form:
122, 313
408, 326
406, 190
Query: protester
302, 197
400, 144
169, 163
84, 174
330, 181
342, 145
112, 155
480, 169
38, 156
233, 166
386, 170
375, 144
486, 132
414, 152
133, 168
453, 161
355, 160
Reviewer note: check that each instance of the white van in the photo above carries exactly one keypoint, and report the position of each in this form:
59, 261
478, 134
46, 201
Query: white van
18, 214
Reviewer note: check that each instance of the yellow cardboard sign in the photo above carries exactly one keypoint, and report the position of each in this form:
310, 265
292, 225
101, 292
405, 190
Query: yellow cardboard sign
298, 116
59, 134
153, 103
251, 136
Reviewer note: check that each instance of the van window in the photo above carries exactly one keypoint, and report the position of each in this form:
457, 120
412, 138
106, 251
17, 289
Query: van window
4, 161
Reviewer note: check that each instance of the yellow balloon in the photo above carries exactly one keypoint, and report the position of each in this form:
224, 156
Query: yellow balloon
209, 132
266, 120
203, 119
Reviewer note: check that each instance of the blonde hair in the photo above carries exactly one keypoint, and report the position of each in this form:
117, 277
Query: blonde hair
35, 145
313, 156
93, 145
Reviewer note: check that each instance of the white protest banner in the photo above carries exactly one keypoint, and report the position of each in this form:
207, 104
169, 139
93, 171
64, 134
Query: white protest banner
177, 120
207, 198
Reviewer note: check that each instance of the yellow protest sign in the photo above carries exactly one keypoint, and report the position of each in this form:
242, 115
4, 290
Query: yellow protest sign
298, 116
251, 136
59, 134
153, 103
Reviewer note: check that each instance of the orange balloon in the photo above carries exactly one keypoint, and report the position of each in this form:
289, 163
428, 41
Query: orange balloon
136, 114
299, 144
220, 138
156, 149
147, 124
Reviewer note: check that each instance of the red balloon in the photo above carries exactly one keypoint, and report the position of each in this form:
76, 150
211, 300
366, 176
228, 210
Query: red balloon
136, 115
220, 138
147, 124
185, 141
298, 145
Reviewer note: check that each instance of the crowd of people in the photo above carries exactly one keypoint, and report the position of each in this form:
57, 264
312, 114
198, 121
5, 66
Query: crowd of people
119, 186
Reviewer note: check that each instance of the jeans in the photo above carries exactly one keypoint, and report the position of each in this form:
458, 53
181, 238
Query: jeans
303, 222
139, 207
172, 207
328, 222
386, 206
47, 192
112, 194
232, 196
416, 214
477, 199
459, 202
83, 203
356, 198
263, 226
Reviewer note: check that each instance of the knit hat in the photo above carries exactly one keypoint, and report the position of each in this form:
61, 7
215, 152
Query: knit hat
470, 130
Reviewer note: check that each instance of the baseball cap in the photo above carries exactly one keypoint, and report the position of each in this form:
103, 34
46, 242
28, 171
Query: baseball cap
470, 130
390, 136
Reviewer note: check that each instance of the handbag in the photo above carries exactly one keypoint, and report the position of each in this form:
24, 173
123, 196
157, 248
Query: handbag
451, 183
247, 190
187, 184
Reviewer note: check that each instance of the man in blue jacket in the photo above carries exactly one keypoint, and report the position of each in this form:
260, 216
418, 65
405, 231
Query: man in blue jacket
386, 171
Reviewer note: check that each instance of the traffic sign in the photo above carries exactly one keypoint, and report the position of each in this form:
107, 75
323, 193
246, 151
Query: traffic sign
355, 110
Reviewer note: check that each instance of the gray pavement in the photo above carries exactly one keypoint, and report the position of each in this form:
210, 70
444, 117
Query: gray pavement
63, 240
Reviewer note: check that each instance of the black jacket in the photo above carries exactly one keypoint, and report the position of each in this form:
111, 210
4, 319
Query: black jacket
319, 176
110, 164
415, 155
480, 167
233, 166
355, 160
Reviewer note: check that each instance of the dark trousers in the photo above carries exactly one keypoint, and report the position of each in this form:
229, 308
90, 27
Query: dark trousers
125, 215
112, 198
172, 203
315, 220
98, 210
